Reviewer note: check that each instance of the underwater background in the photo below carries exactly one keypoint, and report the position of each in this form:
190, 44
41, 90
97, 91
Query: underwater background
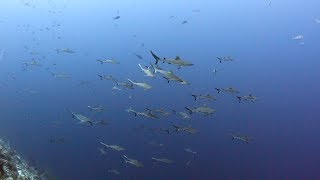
275, 46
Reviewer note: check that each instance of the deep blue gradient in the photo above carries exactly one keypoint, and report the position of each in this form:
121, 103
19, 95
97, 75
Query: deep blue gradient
283, 122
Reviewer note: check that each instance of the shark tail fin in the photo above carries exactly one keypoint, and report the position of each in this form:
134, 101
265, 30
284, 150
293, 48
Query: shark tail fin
100, 76
187, 108
218, 90
239, 98
195, 97
155, 57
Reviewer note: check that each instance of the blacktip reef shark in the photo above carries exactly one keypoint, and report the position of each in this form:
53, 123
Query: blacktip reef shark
145, 86
177, 61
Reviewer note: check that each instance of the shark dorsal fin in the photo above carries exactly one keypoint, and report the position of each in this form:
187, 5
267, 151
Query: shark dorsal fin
177, 58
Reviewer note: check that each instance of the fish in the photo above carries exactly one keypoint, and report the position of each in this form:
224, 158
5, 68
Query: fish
215, 71
114, 147
298, 37
33, 62
102, 151
80, 117
185, 129
98, 108
203, 110
190, 130
160, 111
227, 90
109, 61
152, 143
107, 77
125, 84
130, 110
116, 88
114, 171
225, 59
188, 150
147, 71
132, 161
184, 115
61, 75
177, 61
145, 86
172, 77
250, 97
184, 22
138, 56
57, 140
66, 50
208, 97
148, 114
245, 139
116, 17
163, 160
157, 69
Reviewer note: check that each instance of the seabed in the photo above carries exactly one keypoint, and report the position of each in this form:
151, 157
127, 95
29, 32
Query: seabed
13, 167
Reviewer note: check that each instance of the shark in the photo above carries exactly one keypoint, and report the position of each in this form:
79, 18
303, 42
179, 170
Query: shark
148, 71
81, 118
145, 86
176, 61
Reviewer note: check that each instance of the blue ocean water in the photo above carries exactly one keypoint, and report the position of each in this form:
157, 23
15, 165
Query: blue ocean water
282, 72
